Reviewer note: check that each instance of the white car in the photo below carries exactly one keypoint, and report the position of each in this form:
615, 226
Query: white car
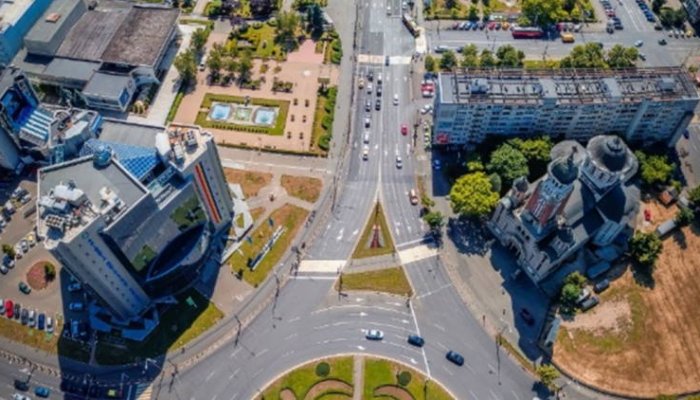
639, 43
365, 153
426, 109
374, 334
396, 99
49, 325
399, 163
366, 138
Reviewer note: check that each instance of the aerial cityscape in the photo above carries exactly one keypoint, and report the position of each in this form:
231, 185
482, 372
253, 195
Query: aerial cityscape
349, 199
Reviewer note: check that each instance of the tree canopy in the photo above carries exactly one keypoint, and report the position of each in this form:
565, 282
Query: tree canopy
448, 60
670, 17
435, 220
429, 63
542, 12
314, 16
536, 151
262, 8
470, 56
472, 195
186, 66
645, 249
199, 39
684, 216
548, 375
509, 56
487, 59
694, 196
654, 169
508, 162
589, 55
286, 30
620, 56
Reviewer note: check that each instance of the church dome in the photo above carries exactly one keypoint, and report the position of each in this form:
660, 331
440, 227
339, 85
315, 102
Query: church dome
609, 152
564, 169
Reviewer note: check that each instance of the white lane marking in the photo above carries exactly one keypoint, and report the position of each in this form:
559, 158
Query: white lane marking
441, 346
473, 394
314, 278
440, 327
211, 374
360, 348
413, 361
292, 336
433, 291
295, 319
415, 322
340, 235
355, 232
233, 354
263, 351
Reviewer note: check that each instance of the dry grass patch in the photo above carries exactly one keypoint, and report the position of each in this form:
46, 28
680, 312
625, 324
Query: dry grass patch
256, 213
389, 280
251, 181
654, 347
302, 187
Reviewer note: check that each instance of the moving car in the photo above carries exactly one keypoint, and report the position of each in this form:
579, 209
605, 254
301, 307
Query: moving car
404, 129
455, 357
24, 288
413, 197
374, 334
662, 42
396, 99
399, 163
416, 340
365, 153
368, 105
639, 43
365, 140
527, 317
378, 104
367, 121
426, 109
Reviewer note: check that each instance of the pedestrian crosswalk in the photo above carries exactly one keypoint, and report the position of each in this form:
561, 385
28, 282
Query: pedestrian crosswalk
417, 253
321, 266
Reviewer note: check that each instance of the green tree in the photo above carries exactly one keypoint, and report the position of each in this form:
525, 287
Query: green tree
186, 66
654, 169
214, 62
199, 39
548, 375
435, 220
589, 55
448, 60
487, 60
508, 162
536, 151
575, 278
286, 29
657, 4
542, 12
314, 16
620, 56
684, 216
472, 195
450, 4
670, 17
693, 197
509, 56
9, 250
496, 182
262, 8
244, 66
645, 249
569, 295
429, 63
470, 56
473, 13
49, 271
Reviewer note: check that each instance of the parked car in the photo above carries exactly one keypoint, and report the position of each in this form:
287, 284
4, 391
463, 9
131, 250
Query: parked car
3, 269
19, 396
24, 245
25, 316
639, 43
74, 287
75, 306
589, 303
416, 340
49, 325
31, 319
18, 310
24, 288
426, 109
455, 357
9, 309
41, 322
601, 286
8, 261
585, 292
2, 306
21, 385
662, 42
374, 334
42, 391
527, 317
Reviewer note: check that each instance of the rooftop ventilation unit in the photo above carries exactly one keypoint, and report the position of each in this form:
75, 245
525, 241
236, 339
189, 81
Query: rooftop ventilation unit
102, 157
53, 17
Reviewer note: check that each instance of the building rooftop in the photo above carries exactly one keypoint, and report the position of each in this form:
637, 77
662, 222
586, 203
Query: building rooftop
107, 85
114, 130
74, 193
52, 20
182, 144
11, 11
91, 35
141, 37
565, 86
76, 70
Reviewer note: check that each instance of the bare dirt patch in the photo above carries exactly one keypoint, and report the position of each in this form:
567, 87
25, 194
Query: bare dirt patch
251, 181
302, 187
609, 316
329, 385
659, 350
659, 214
36, 276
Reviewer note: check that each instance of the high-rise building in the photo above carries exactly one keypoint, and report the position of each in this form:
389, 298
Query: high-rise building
586, 198
18, 16
641, 105
135, 218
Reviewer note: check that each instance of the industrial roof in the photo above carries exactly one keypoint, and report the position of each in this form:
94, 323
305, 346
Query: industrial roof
52, 20
129, 133
71, 69
106, 85
91, 35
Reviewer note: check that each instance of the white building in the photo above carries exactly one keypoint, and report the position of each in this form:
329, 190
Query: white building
643, 105
134, 218
586, 198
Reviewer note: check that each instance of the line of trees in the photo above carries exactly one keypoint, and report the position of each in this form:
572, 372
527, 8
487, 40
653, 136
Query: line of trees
506, 56
592, 55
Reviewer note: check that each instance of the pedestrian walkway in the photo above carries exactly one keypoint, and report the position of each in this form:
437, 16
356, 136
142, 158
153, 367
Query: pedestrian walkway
321, 266
358, 377
417, 253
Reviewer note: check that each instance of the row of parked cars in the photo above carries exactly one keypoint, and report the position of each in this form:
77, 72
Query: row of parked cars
415, 340
648, 14
614, 22
40, 391
481, 25
29, 317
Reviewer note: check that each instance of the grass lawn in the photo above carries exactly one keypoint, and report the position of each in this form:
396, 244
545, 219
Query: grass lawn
302, 187
178, 326
389, 280
251, 181
191, 21
322, 131
539, 64
276, 130
303, 378
176, 104
289, 216
437, 10
50, 343
363, 248
263, 40
379, 372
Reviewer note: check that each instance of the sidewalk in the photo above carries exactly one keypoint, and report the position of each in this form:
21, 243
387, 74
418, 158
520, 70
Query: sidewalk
358, 377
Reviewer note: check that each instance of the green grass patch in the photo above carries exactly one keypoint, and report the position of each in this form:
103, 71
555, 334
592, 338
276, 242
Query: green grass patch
262, 37
189, 214
143, 257
322, 131
192, 21
289, 216
277, 129
363, 249
176, 104
541, 64
179, 325
438, 10
389, 280
303, 378
382, 373
50, 343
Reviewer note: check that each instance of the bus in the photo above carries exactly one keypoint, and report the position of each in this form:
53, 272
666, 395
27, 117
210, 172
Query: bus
567, 37
527, 33
410, 24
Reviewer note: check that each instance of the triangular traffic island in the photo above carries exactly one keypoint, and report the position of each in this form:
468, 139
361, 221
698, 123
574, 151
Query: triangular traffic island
376, 237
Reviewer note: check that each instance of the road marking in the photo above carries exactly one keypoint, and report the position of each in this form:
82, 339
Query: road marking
473, 394
292, 336
442, 346
355, 232
263, 351
321, 265
413, 361
315, 277
439, 327
433, 291
295, 319
211, 374
233, 354
417, 253
360, 348
340, 235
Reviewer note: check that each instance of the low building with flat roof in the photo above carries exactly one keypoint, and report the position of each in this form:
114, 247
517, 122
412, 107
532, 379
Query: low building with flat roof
17, 18
642, 105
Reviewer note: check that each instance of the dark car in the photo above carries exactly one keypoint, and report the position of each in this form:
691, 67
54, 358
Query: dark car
601, 286
378, 105
589, 303
370, 76
42, 391
527, 317
24, 288
368, 106
416, 340
455, 357
25, 316
40, 322
379, 91
21, 385
18, 310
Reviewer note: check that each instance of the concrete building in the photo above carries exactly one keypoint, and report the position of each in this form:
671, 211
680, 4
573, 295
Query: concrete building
16, 18
692, 7
105, 54
643, 105
135, 218
585, 199
17, 99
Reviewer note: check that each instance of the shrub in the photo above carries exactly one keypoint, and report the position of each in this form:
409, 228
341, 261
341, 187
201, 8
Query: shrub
404, 378
272, 21
49, 271
327, 122
323, 369
324, 143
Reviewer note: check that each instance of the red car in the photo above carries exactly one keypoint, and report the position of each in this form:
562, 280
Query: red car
9, 308
404, 129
